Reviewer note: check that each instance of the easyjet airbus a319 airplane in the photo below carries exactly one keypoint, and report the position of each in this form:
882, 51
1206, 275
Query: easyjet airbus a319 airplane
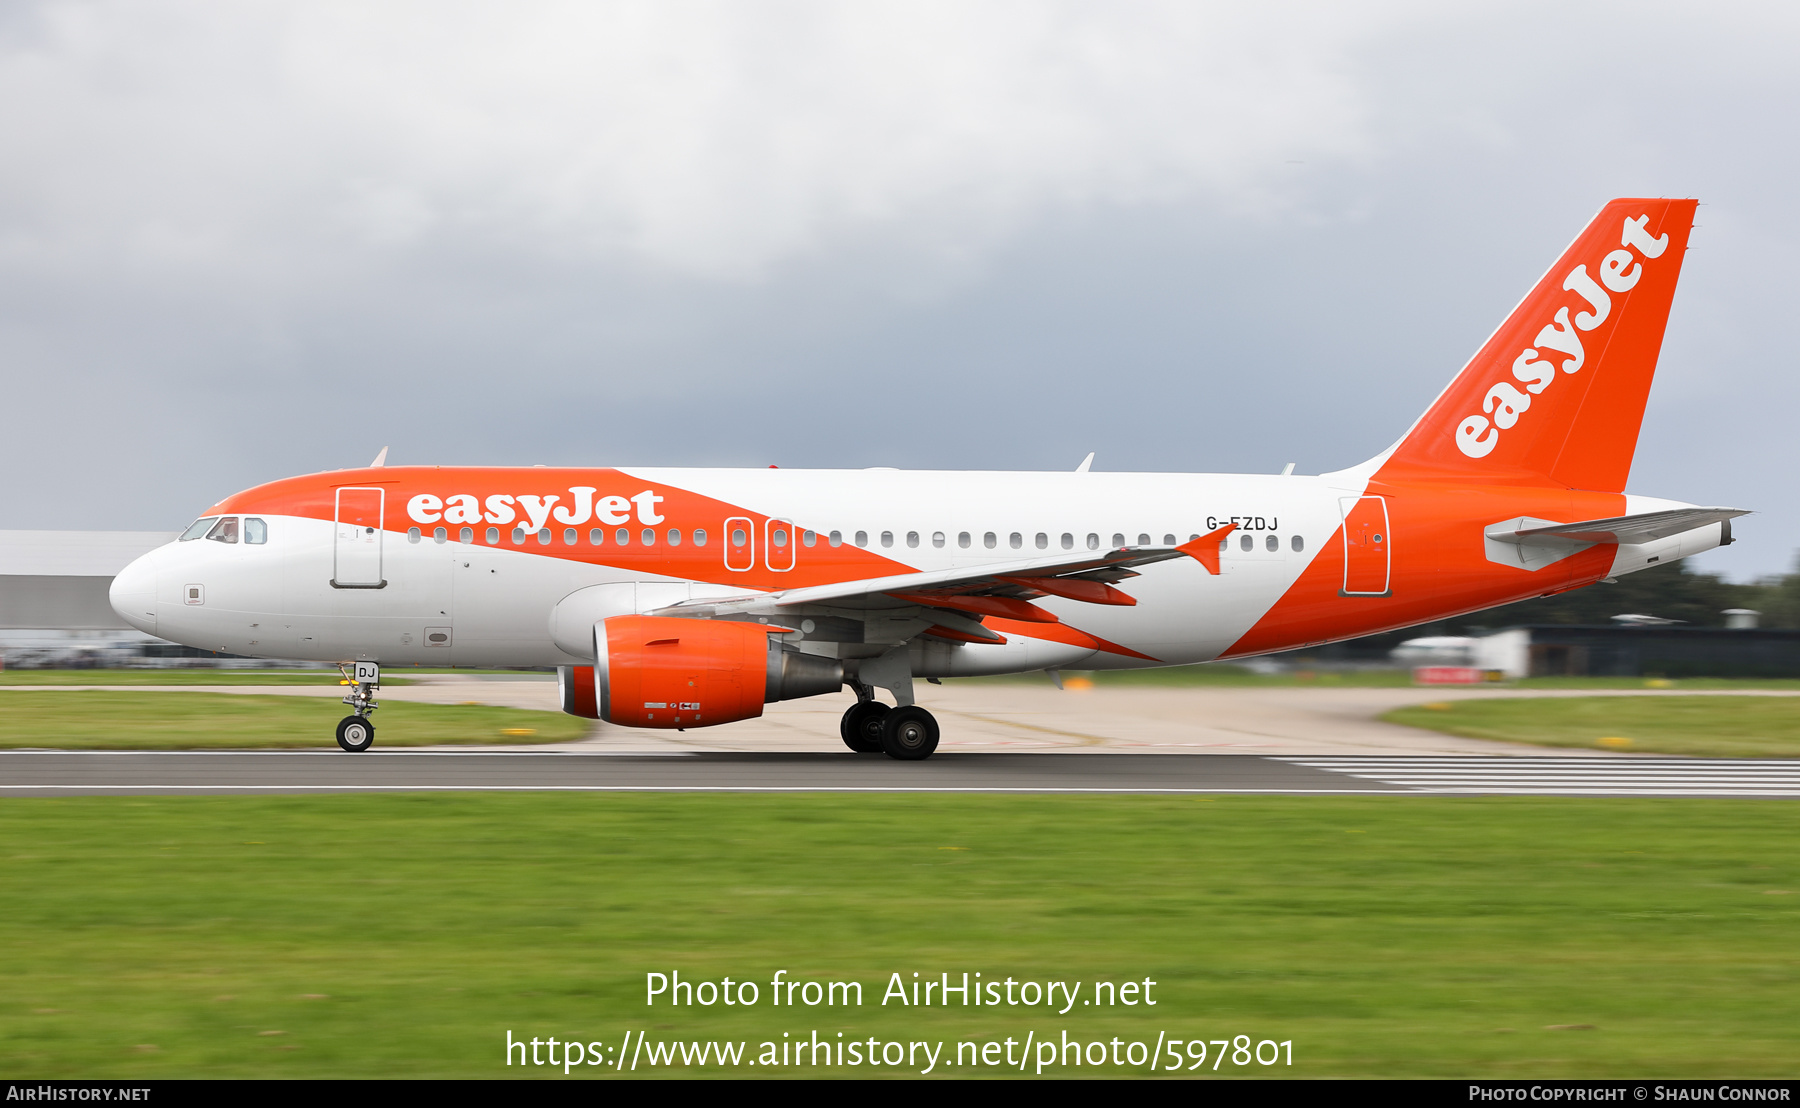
677, 598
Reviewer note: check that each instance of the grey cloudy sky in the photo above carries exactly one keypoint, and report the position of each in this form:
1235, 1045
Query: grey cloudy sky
242, 241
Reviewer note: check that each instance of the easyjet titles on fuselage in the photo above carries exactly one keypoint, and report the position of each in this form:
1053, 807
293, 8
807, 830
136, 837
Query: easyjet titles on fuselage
501, 508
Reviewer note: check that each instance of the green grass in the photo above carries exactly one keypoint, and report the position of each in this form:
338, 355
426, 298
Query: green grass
1773, 684
1213, 675
1216, 675
108, 720
380, 936
177, 677
1707, 726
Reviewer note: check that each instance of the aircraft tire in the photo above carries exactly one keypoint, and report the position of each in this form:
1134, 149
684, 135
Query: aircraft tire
861, 726
355, 734
909, 734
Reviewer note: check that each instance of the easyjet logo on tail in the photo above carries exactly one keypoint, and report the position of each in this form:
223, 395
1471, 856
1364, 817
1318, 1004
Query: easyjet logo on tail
1620, 272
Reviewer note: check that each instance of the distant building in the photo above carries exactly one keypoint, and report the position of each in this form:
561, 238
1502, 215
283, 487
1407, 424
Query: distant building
53, 598
1565, 650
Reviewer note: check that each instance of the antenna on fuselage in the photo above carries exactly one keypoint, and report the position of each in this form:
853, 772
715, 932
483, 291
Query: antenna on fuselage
1085, 463
380, 459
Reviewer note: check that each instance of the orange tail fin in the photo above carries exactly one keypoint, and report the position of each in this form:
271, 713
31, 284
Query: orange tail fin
1558, 392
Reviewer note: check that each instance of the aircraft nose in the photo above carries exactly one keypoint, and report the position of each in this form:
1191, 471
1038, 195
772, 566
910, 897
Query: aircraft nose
133, 595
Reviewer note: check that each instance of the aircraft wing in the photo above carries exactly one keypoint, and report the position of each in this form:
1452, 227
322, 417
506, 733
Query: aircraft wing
1003, 589
1644, 527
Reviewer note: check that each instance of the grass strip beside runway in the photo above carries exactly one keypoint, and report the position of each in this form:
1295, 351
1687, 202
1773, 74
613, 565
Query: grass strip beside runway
1703, 726
1226, 675
406, 935
109, 720
178, 677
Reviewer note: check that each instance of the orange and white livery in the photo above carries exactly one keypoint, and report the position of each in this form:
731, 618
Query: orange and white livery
690, 597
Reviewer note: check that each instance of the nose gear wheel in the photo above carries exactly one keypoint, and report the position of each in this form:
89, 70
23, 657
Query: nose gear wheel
355, 734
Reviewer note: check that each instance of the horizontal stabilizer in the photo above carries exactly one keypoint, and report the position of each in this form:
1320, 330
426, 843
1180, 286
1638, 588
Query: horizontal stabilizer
1645, 527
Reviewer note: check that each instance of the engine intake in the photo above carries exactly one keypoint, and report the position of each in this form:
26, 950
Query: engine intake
658, 671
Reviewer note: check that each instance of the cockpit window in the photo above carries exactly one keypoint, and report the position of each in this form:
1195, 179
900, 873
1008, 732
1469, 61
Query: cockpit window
255, 530
198, 529
226, 530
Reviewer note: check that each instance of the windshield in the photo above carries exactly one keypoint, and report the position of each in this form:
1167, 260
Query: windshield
198, 529
225, 530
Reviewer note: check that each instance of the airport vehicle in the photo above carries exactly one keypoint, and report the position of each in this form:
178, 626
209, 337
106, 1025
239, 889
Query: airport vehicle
677, 598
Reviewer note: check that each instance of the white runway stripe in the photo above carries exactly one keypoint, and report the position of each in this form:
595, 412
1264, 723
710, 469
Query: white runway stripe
1573, 775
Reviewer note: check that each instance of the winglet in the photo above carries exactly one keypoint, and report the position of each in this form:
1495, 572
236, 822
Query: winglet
1205, 549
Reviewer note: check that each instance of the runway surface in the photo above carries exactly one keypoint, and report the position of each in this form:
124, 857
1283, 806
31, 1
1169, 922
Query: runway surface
61, 773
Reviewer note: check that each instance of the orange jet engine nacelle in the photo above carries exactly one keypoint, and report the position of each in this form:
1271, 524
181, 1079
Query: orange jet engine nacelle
657, 671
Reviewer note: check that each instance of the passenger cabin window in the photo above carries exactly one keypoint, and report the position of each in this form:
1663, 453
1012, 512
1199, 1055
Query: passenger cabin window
256, 532
699, 536
862, 538
912, 538
836, 538
1297, 543
570, 538
1273, 543
779, 537
810, 538
962, 540
887, 538
226, 530
1016, 540
1118, 540
518, 536
1093, 542
197, 529
1168, 540
622, 537
1043, 541
648, 538
543, 536
1143, 540
412, 534
493, 536
1246, 543
738, 537
988, 540
937, 539
467, 535
674, 536
440, 535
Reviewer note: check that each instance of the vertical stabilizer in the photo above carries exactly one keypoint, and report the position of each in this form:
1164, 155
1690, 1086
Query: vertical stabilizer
1558, 392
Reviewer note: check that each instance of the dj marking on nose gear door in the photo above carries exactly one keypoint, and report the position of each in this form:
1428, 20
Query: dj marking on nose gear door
676, 598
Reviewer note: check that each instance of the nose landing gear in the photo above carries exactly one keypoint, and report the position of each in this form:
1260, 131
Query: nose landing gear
355, 733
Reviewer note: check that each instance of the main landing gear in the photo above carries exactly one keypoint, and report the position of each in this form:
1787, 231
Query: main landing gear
356, 733
871, 727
